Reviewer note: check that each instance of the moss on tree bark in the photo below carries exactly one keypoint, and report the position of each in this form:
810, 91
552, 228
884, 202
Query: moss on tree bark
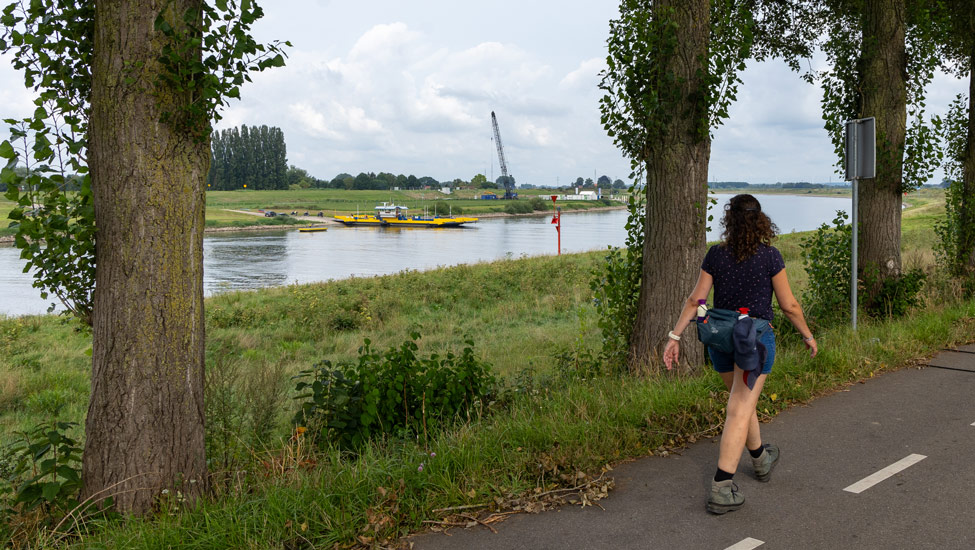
144, 430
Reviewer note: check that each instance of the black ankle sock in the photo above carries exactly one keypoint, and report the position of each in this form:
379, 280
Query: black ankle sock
721, 475
757, 452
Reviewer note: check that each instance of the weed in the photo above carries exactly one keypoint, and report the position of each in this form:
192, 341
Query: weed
826, 257
391, 393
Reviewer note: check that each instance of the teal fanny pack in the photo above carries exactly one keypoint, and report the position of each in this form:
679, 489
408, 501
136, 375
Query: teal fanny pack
717, 329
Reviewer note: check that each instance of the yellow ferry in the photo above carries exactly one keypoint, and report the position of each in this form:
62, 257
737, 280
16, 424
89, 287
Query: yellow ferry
391, 215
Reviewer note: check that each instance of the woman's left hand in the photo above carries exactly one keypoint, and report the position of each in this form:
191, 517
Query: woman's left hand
671, 353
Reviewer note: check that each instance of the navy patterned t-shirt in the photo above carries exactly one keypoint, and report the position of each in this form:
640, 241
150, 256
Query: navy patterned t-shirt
744, 284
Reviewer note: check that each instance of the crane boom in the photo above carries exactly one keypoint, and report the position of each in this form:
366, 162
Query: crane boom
504, 165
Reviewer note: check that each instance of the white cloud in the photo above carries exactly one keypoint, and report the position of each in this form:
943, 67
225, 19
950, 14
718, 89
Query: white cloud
587, 74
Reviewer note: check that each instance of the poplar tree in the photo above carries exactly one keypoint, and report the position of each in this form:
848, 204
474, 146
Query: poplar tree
882, 56
673, 71
129, 88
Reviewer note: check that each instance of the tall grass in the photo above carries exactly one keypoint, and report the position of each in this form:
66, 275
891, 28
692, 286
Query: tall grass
381, 494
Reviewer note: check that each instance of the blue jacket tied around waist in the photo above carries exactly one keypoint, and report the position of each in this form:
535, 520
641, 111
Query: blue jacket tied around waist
750, 353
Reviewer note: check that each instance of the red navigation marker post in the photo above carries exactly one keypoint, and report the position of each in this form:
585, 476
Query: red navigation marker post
557, 220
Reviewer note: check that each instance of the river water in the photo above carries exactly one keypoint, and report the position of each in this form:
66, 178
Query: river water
250, 260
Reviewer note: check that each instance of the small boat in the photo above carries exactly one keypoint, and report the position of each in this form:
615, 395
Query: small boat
312, 229
391, 215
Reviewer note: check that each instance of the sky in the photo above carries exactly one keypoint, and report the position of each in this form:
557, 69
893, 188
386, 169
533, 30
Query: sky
409, 87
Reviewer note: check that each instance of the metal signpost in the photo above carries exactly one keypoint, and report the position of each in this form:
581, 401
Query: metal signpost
861, 163
557, 220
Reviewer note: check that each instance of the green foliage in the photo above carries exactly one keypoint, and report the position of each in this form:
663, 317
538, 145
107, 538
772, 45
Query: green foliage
843, 89
893, 296
538, 204
43, 470
518, 207
616, 286
826, 258
641, 94
730, 45
956, 230
55, 234
51, 42
391, 393
949, 230
222, 31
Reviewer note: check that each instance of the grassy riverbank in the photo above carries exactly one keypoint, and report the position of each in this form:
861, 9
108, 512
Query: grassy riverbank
339, 201
551, 423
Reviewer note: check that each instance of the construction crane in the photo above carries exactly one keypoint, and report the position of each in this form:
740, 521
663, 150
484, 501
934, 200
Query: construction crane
509, 181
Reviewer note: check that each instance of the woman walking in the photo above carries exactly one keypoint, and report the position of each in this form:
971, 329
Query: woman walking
745, 270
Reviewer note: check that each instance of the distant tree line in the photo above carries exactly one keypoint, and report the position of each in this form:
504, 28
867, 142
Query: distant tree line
603, 182
249, 157
380, 181
777, 185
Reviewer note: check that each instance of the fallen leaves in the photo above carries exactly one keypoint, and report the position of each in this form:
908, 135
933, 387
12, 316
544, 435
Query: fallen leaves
584, 491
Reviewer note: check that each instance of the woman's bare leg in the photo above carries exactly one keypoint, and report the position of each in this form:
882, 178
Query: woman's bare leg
741, 424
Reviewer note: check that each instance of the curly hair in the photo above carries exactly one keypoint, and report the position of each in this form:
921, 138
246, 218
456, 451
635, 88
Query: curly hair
746, 226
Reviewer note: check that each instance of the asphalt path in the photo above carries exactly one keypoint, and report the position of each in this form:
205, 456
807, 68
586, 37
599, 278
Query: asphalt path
884, 464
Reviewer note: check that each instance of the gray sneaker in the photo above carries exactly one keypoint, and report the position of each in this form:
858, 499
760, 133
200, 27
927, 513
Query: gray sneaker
766, 462
724, 497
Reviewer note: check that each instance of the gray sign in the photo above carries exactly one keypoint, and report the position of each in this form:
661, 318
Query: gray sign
861, 149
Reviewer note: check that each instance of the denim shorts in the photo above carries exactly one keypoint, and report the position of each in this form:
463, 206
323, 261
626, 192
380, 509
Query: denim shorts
725, 362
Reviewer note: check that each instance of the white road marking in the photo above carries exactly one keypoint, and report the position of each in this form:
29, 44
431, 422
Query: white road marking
746, 544
883, 474
973, 423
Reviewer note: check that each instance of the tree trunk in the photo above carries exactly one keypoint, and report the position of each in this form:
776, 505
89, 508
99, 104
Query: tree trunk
966, 241
677, 176
884, 60
144, 430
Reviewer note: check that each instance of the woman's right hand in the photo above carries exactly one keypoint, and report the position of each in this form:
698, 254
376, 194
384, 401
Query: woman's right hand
671, 353
811, 346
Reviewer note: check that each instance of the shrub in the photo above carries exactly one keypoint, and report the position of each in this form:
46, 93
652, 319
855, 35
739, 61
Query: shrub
518, 207
41, 479
616, 287
537, 204
952, 235
395, 393
443, 208
894, 296
826, 257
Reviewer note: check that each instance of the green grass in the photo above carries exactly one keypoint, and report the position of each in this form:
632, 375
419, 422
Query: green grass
579, 425
520, 313
225, 218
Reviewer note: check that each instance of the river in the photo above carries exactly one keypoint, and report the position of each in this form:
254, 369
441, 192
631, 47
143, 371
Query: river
250, 260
